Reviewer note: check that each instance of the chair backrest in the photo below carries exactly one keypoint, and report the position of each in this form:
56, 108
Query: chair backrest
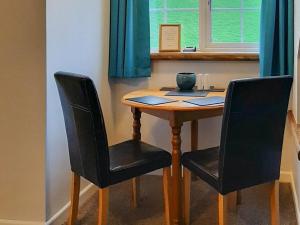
252, 132
85, 128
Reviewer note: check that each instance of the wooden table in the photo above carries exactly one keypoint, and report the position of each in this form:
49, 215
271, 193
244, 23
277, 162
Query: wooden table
176, 113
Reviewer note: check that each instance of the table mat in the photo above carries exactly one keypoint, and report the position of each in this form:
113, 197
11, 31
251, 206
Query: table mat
195, 89
151, 100
188, 93
207, 101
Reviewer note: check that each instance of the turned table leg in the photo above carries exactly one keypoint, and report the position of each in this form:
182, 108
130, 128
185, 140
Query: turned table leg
136, 124
194, 140
176, 173
194, 135
136, 136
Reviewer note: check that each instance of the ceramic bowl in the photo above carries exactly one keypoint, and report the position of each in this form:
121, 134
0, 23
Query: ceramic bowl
186, 81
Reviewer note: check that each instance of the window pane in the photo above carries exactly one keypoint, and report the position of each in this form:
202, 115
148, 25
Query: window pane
226, 27
226, 4
189, 26
252, 3
183, 4
251, 27
235, 21
184, 12
157, 18
154, 4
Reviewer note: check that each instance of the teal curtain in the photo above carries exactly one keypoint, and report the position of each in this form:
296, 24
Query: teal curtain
277, 38
129, 55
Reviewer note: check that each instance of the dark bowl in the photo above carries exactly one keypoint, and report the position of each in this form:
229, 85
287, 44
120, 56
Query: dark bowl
186, 81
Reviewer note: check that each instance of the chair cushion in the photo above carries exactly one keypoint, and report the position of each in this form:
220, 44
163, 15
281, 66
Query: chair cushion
205, 164
134, 158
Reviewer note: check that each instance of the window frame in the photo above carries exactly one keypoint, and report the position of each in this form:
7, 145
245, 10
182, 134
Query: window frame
205, 25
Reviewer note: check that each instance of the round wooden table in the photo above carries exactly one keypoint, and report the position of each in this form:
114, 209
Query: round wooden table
176, 113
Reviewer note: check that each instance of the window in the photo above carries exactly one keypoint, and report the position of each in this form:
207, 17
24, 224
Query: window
211, 25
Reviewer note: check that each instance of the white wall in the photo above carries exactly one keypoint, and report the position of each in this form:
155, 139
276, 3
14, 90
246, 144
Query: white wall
77, 41
22, 115
296, 86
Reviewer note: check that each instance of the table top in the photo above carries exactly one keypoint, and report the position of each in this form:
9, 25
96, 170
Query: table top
180, 105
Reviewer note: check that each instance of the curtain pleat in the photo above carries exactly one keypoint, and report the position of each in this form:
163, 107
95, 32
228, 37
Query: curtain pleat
277, 38
129, 55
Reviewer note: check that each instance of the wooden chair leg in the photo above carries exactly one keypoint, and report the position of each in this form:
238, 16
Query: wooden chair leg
135, 192
239, 198
75, 188
223, 210
227, 203
274, 203
186, 195
166, 190
103, 206
232, 201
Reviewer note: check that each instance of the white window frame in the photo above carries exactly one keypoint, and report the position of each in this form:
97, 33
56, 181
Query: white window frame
205, 43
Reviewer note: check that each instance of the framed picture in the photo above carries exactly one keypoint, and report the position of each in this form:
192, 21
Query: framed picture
169, 38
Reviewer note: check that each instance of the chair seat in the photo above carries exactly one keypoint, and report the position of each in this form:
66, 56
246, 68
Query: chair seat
135, 158
205, 164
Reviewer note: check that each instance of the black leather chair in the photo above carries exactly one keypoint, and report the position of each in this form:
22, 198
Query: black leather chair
251, 143
90, 155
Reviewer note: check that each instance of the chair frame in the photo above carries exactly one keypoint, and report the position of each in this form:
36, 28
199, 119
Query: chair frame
229, 201
104, 198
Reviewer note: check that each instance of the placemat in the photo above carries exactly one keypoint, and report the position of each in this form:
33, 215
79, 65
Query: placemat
151, 100
195, 89
188, 93
207, 101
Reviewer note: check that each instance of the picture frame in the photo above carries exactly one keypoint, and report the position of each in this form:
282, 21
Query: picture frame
169, 38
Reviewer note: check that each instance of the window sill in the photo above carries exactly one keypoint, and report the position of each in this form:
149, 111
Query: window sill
205, 56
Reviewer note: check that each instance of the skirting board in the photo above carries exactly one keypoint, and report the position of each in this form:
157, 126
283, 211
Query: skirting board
61, 216
287, 177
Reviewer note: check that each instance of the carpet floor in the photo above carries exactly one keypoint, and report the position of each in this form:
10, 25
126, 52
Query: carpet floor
254, 209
